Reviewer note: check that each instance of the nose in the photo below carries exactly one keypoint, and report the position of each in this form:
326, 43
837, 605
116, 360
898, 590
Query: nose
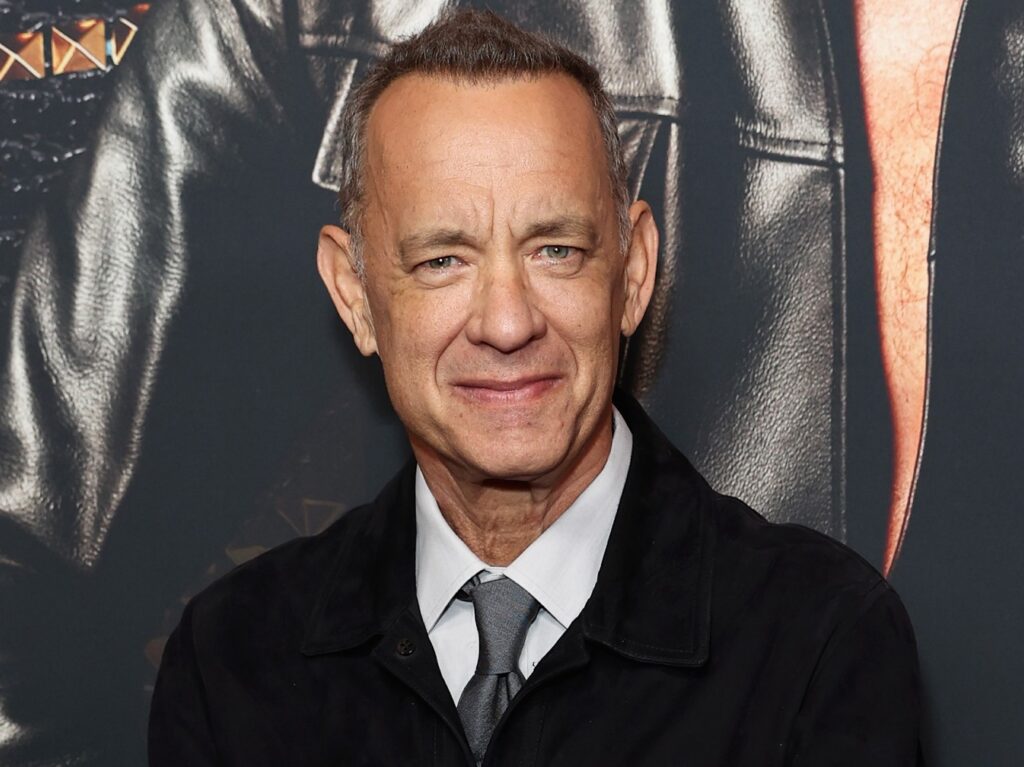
504, 314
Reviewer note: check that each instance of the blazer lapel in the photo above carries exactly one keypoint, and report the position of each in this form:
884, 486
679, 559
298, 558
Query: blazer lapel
652, 599
369, 598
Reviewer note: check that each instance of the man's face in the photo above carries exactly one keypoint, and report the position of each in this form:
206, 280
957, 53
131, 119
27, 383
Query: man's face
494, 286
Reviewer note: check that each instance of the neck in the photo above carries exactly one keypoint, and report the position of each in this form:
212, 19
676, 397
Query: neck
498, 519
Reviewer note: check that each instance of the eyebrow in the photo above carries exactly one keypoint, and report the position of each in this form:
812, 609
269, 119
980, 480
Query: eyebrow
563, 226
434, 238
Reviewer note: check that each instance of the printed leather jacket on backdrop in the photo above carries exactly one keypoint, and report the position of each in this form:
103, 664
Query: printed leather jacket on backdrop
168, 340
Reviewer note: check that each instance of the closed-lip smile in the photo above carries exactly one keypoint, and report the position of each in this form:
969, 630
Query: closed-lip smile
499, 390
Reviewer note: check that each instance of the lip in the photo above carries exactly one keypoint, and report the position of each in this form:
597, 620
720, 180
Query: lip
501, 391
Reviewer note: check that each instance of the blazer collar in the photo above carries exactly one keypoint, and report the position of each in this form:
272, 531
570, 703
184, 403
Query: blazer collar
653, 593
652, 600
373, 577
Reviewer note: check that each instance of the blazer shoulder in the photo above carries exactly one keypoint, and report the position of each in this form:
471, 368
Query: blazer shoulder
283, 581
795, 556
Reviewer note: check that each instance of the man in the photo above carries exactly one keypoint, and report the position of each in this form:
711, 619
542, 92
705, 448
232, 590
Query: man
551, 582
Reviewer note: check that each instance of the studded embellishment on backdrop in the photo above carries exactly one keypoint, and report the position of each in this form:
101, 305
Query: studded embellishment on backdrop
55, 62
68, 45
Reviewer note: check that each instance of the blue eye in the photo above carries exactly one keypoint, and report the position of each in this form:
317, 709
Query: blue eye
556, 252
441, 262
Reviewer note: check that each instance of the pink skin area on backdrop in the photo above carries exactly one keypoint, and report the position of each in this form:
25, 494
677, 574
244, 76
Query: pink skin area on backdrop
904, 49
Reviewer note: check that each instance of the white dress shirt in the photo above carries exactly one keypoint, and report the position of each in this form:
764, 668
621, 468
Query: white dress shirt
559, 569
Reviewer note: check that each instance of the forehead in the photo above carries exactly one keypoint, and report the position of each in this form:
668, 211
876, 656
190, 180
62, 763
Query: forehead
435, 146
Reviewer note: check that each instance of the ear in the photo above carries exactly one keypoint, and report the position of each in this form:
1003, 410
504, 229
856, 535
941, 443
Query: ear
641, 264
337, 266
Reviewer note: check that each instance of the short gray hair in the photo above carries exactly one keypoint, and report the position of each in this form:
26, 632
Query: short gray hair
471, 46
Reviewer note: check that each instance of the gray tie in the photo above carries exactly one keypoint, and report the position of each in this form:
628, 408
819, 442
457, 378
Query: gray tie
504, 611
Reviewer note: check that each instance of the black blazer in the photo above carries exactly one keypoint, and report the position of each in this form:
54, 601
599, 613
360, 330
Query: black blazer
712, 638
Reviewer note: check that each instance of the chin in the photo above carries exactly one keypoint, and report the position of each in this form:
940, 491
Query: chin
499, 461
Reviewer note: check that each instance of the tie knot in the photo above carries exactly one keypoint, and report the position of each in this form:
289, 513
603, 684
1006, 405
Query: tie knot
504, 611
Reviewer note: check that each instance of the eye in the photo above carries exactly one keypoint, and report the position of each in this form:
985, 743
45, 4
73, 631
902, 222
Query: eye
440, 263
439, 270
557, 252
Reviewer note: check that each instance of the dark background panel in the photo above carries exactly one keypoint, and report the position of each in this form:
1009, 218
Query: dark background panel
266, 424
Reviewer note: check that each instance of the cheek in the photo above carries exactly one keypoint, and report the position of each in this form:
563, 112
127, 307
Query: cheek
583, 314
416, 329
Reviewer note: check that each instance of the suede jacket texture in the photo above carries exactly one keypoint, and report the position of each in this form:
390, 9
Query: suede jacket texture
712, 638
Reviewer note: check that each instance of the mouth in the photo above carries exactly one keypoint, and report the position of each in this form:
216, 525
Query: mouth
506, 391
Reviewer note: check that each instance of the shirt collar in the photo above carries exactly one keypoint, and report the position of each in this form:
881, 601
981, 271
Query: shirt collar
559, 568
443, 561
652, 599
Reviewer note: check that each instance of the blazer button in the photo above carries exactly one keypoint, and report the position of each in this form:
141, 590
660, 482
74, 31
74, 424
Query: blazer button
405, 647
